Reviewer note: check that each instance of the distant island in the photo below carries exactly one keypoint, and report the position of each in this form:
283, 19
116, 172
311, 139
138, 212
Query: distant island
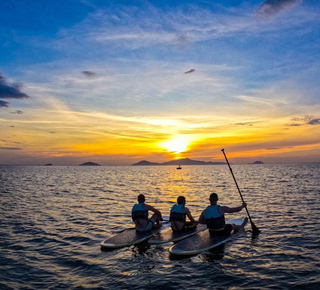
48, 164
185, 161
257, 162
89, 164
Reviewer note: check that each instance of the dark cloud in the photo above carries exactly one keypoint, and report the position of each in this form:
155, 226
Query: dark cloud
89, 74
10, 91
294, 125
273, 148
182, 41
314, 122
17, 112
272, 7
10, 148
300, 121
4, 104
305, 119
190, 71
244, 124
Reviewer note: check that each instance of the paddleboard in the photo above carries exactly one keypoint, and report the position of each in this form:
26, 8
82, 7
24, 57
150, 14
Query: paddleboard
168, 235
130, 237
202, 242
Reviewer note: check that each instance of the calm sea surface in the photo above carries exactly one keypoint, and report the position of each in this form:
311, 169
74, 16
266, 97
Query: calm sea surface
52, 220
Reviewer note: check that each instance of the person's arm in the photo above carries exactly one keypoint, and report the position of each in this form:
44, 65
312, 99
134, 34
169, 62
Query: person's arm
201, 218
226, 209
189, 215
151, 208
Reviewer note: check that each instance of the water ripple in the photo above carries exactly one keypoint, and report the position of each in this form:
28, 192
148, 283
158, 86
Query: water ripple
54, 218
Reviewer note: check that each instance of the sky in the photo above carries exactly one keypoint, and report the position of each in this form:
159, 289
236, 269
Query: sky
117, 82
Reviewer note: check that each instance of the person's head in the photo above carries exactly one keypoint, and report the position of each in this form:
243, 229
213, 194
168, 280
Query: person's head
141, 198
213, 198
181, 200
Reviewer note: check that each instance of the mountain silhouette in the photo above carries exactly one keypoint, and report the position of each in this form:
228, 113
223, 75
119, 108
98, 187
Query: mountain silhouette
257, 162
89, 164
185, 161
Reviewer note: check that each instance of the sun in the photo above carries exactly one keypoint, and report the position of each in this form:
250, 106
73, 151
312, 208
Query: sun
176, 145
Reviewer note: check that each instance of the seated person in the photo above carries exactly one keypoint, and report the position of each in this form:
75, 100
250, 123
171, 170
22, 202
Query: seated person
140, 216
213, 217
178, 215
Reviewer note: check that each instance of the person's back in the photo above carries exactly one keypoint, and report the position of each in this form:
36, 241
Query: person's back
213, 217
139, 215
178, 214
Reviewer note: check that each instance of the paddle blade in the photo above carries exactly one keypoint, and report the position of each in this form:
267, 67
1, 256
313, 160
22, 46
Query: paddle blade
255, 230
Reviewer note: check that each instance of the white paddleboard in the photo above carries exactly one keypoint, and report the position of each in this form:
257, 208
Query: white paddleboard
130, 237
168, 235
202, 242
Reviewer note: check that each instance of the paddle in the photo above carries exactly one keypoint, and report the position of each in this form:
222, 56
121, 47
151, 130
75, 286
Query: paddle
255, 230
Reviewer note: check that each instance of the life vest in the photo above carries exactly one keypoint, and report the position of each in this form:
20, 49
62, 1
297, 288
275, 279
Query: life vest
138, 212
177, 213
213, 219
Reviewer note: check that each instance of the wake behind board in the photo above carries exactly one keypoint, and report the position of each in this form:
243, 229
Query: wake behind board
168, 235
202, 242
129, 237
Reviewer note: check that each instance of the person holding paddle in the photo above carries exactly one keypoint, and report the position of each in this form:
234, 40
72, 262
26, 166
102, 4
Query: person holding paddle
213, 217
140, 215
178, 215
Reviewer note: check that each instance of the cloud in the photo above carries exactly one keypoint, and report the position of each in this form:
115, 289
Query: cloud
305, 119
272, 7
10, 91
89, 74
4, 104
274, 148
10, 148
314, 122
309, 120
244, 124
131, 28
19, 112
294, 125
259, 100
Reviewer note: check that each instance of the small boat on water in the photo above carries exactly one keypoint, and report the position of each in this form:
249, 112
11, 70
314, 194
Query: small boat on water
179, 167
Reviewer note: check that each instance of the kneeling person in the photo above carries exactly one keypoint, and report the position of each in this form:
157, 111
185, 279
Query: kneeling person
178, 215
140, 216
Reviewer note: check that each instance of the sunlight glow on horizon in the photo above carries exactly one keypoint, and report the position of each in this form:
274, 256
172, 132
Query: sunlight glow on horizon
110, 83
178, 144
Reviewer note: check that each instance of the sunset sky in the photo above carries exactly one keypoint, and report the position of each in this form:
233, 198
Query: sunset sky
116, 82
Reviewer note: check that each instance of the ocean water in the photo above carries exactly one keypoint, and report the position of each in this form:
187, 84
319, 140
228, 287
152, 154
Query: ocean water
52, 220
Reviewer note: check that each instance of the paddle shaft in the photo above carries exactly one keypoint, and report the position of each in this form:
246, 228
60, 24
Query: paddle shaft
254, 228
